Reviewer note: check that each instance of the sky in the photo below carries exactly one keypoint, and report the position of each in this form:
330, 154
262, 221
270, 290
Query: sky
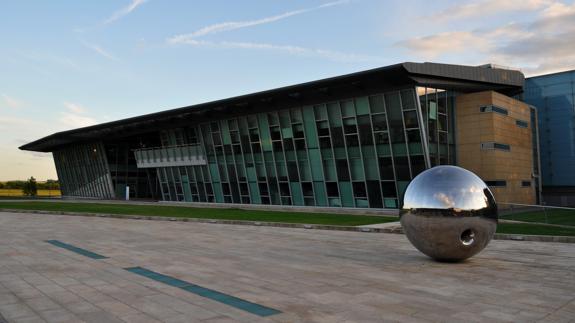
67, 64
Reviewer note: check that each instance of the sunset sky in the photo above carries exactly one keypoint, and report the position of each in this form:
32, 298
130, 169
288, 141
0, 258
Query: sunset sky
67, 64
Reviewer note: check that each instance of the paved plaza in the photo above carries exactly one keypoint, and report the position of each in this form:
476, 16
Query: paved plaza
50, 272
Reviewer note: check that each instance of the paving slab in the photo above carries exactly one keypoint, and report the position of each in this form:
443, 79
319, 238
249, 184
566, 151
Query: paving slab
306, 275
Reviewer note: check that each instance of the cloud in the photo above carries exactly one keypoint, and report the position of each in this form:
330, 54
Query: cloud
11, 102
75, 116
544, 45
99, 50
124, 11
75, 108
288, 49
233, 25
483, 8
72, 120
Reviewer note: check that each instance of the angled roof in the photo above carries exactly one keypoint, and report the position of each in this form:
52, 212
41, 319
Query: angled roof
445, 76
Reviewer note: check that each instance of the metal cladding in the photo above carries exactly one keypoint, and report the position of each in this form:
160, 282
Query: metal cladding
449, 213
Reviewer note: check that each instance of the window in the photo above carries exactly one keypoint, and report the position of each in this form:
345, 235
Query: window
495, 145
497, 183
525, 183
494, 108
522, 124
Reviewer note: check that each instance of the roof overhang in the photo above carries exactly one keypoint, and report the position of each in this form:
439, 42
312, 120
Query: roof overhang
453, 77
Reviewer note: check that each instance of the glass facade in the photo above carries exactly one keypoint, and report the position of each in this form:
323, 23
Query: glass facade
437, 108
83, 171
360, 152
554, 97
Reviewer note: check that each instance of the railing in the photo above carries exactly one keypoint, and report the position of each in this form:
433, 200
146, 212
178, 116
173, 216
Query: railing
537, 214
185, 155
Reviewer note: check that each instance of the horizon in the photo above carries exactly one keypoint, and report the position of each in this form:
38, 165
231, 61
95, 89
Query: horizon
69, 65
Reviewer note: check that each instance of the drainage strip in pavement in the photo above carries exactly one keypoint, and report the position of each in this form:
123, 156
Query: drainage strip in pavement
205, 292
75, 249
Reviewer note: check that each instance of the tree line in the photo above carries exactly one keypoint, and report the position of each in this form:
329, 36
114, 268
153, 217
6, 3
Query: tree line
19, 185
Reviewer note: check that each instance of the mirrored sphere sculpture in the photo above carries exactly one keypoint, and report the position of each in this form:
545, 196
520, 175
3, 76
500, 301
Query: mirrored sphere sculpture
448, 213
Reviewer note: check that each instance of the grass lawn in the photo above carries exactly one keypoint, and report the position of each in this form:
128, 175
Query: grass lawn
203, 213
555, 216
534, 229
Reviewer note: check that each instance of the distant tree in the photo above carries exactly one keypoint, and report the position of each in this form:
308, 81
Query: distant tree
1, 185
14, 185
30, 187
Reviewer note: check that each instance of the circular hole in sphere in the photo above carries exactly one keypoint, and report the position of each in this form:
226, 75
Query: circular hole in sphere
468, 237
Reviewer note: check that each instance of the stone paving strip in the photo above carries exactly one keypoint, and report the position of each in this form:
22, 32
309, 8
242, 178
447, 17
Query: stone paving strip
307, 275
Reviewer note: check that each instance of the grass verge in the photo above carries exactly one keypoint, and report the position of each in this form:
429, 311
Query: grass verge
202, 213
534, 229
554, 216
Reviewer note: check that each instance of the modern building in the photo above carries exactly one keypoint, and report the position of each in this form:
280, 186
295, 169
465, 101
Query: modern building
349, 141
554, 97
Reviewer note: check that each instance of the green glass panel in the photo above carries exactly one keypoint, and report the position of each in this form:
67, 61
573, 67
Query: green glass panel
214, 172
399, 149
255, 193
361, 203
218, 192
315, 161
383, 150
390, 203
362, 105
408, 99
347, 108
371, 171
376, 104
346, 194
186, 187
415, 148
340, 152
264, 133
319, 192
356, 167
304, 171
225, 133
296, 193
432, 110
287, 133
334, 114
251, 172
320, 112
334, 202
329, 169
310, 127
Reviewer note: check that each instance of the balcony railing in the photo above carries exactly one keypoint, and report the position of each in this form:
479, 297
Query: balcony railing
186, 155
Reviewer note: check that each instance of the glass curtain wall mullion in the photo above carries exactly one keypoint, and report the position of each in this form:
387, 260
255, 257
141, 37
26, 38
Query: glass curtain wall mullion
244, 130
269, 173
273, 152
235, 160
423, 129
405, 138
296, 155
309, 166
159, 175
362, 154
346, 146
334, 160
285, 162
204, 171
379, 177
392, 154
321, 153
225, 172
90, 177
